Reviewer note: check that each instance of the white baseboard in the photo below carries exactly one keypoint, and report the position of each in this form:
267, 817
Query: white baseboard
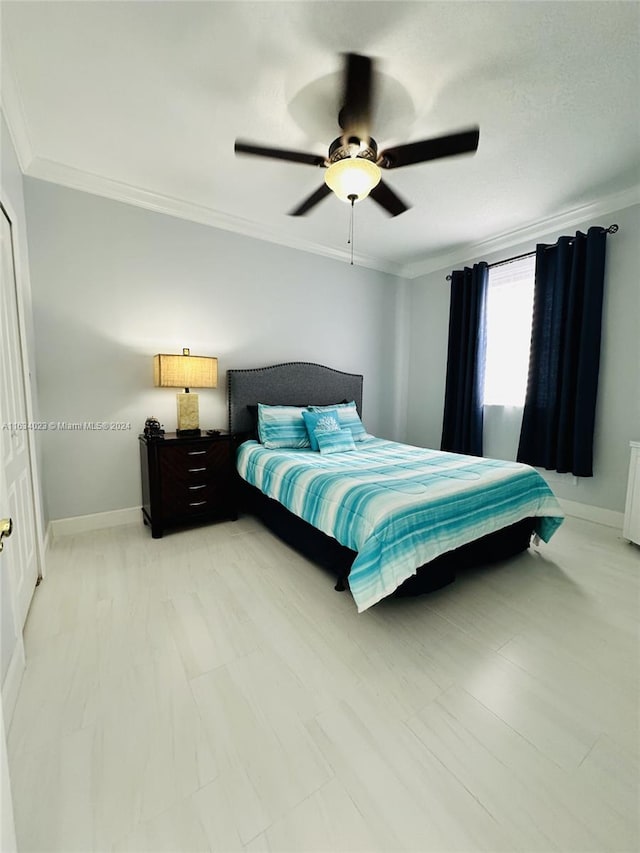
609, 517
94, 521
12, 681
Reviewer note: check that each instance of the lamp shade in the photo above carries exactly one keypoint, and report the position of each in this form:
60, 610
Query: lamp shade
353, 176
185, 371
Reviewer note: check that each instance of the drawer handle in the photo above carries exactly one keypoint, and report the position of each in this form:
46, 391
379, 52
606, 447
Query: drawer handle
194, 488
196, 452
195, 470
197, 503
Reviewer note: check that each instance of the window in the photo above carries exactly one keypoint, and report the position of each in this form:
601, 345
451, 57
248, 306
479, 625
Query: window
509, 315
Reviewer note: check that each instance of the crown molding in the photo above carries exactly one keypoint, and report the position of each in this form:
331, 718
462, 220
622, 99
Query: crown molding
77, 179
533, 232
13, 109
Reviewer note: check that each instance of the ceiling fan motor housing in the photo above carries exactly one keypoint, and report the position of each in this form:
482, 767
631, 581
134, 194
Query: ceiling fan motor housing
338, 150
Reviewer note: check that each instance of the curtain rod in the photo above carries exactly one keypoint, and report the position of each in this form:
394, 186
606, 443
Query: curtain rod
610, 230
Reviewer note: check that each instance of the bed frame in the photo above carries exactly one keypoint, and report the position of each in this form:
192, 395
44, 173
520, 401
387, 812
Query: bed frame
300, 384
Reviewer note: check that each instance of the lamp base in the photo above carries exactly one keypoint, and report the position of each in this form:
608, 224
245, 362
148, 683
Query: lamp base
188, 414
186, 432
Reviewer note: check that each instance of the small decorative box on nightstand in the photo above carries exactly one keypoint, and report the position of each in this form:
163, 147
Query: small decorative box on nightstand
186, 479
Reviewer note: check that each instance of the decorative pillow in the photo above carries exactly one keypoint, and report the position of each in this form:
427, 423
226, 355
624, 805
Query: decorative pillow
324, 421
348, 417
335, 441
282, 426
253, 415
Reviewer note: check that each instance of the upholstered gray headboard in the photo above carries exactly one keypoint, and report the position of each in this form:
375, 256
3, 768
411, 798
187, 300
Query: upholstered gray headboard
297, 383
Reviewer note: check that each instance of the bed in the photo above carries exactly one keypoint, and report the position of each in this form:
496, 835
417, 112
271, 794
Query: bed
387, 518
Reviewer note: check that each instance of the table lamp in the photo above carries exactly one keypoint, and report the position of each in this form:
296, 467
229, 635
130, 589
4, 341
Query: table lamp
186, 371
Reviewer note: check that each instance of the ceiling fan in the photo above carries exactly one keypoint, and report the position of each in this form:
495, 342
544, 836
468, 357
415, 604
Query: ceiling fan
353, 164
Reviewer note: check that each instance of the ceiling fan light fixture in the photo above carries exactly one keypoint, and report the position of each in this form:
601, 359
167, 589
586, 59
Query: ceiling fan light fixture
352, 176
353, 162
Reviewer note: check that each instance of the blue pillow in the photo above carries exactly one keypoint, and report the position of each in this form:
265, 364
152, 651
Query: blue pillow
282, 426
324, 421
335, 441
348, 417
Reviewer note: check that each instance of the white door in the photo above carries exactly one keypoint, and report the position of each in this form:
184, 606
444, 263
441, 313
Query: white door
20, 556
18, 502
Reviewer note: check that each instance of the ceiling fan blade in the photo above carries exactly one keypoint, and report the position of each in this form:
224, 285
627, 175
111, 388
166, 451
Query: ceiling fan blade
355, 115
279, 154
430, 149
322, 192
387, 198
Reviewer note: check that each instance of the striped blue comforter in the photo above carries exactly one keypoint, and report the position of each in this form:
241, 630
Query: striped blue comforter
399, 506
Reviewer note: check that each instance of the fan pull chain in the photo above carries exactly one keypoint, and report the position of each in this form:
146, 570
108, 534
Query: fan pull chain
352, 199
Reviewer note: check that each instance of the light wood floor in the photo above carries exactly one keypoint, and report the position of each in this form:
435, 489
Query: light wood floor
211, 691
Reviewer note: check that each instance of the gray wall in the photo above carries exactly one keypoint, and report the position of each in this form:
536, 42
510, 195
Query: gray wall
618, 409
114, 284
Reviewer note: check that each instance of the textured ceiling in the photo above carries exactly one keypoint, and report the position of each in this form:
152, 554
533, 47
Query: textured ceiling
143, 100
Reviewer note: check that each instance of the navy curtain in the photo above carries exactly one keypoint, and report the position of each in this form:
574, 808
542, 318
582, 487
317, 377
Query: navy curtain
463, 409
560, 405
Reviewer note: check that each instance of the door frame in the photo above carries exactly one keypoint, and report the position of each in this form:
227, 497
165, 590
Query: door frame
22, 286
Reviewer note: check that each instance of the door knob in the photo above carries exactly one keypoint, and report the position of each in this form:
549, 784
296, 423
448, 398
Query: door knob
6, 527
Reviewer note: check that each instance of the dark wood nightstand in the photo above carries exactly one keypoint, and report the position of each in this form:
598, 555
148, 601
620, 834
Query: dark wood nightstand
187, 480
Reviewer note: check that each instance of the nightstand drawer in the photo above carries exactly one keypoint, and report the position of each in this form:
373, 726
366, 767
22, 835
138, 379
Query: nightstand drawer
193, 499
193, 463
